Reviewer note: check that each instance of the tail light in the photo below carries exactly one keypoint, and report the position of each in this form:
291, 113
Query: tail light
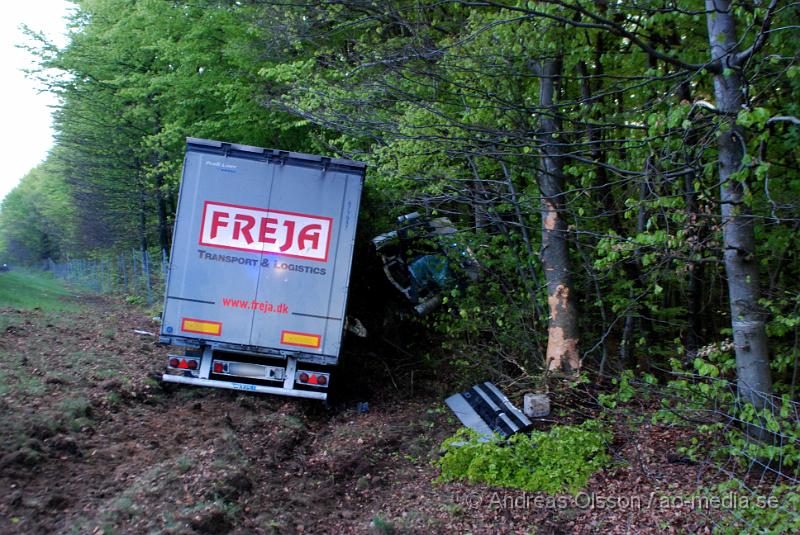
312, 378
183, 363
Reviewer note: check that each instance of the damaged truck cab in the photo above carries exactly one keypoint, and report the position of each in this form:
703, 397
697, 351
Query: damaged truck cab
259, 269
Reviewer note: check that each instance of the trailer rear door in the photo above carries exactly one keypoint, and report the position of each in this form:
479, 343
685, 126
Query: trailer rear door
262, 250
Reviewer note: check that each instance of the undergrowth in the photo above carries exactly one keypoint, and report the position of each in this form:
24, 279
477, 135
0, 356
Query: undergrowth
727, 432
561, 459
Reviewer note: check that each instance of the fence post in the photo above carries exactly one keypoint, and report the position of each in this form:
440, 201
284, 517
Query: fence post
134, 284
121, 262
146, 271
164, 266
109, 278
98, 276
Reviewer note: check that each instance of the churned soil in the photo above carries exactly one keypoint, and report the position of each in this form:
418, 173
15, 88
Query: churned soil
93, 442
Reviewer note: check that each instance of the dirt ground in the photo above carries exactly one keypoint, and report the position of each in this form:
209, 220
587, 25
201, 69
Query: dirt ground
93, 442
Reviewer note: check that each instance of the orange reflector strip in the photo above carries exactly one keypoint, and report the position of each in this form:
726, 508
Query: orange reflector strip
190, 325
301, 339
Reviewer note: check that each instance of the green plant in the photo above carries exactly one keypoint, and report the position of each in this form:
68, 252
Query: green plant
624, 393
711, 405
561, 459
75, 407
135, 299
749, 512
113, 399
184, 464
380, 525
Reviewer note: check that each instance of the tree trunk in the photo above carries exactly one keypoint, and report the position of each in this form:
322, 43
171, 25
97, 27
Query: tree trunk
602, 191
696, 235
634, 273
161, 203
749, 336
562, 340
142, 214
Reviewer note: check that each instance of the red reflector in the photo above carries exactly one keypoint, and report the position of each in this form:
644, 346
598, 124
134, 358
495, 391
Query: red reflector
313, 380
183, 365
217, 367
174, 363
303, 377
192, 364
322, 379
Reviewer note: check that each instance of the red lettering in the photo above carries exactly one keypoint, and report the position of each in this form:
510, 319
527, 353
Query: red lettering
310, 233
216, 223
267, 229
249, 223
289, 224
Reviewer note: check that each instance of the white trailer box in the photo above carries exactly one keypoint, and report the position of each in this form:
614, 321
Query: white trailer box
260, 267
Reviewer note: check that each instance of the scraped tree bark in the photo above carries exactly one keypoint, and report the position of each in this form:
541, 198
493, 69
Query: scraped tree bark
749, 336
562, 340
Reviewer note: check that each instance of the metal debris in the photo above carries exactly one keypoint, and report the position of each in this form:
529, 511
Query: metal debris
484, 409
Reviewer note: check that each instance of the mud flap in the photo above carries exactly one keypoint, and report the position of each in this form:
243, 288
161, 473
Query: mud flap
484, 409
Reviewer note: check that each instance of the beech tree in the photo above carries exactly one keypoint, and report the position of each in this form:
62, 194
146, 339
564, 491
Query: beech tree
747, 318
562, 332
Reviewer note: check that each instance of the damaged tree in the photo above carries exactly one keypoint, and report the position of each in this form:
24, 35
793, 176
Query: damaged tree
562, 339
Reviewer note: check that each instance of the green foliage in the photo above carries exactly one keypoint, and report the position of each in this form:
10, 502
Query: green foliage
623, 394
37, 217
494, 324
74, 413
726, 426
560, 460
751, 512
784, 330
379, 525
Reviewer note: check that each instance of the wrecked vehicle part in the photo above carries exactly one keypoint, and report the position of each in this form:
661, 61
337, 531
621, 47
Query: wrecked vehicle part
486, 410
421, 263
354, 325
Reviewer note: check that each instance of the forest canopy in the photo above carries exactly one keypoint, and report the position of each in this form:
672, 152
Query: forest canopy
625, 173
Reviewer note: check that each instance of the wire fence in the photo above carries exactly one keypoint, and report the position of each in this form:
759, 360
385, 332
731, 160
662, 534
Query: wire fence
749, 456
139, 274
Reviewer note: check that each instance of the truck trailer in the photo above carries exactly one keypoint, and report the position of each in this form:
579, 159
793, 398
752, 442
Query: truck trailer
259, 268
